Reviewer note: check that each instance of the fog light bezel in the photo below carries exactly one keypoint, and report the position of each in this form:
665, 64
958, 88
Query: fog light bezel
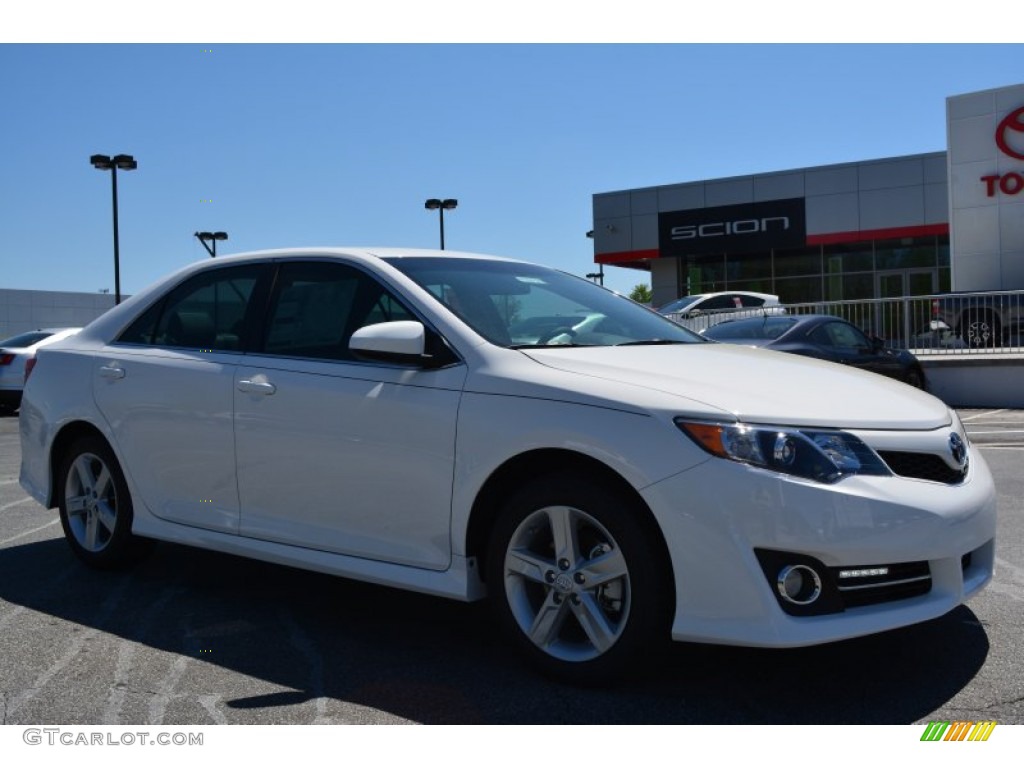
801, 568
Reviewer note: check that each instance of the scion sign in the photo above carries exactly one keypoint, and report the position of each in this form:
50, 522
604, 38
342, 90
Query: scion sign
733, 228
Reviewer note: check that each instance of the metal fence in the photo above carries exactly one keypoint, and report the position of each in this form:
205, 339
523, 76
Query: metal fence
953, 323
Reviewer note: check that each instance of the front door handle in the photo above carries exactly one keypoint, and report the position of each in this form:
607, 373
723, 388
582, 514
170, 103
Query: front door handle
111, 372
256, 387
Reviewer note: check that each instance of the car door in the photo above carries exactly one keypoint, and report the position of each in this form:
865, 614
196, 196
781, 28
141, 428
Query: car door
847, 344
336, 453
165, 387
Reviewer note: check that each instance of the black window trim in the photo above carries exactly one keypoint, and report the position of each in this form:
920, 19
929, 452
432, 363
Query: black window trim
161, 302
260, 302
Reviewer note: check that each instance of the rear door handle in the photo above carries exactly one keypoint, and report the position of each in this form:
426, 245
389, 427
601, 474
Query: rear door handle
111, 372
256, 387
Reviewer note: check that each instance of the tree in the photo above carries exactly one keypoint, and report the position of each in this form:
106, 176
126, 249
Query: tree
640, 294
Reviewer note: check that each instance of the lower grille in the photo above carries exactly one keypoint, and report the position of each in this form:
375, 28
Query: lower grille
874, 584
922, 466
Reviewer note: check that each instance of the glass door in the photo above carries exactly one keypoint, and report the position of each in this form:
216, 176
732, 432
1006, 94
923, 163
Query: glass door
898, 316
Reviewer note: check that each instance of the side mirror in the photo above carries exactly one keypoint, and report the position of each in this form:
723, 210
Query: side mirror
401, 341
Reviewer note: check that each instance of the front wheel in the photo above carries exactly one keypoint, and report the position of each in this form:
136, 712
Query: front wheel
575, 579
96, 506
915, 378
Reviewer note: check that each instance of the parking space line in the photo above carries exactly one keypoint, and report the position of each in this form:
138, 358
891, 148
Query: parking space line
996, 432
982, 415
72, 650
10, 504
27, 533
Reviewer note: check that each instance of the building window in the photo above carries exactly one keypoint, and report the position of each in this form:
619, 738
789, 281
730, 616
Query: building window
798, 290
798, 261
905, 253
849, 257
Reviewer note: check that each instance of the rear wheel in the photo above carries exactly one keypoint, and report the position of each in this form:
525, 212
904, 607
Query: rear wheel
575, 580
96, 507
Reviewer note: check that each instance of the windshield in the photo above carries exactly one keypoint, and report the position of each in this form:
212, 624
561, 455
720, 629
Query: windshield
518, 305
679, 304
753, 328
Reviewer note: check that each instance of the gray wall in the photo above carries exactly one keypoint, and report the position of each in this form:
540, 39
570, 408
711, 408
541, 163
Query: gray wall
987, 230
28, 310
852, 197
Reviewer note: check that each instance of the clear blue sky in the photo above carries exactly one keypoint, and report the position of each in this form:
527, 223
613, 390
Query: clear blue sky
340, 144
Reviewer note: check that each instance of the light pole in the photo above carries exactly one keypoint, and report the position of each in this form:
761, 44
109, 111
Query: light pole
105, 163
597, 277
441, 206
211, 237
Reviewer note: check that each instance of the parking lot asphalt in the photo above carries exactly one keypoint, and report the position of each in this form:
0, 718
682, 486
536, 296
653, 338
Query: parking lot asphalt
194, 637
994, 426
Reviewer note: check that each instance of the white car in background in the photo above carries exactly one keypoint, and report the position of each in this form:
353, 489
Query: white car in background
703, 310
15, 353
472, 427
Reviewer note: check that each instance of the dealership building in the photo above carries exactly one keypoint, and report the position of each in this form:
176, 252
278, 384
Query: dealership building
899, 226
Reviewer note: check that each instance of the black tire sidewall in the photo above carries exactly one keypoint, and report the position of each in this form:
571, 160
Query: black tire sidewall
649, 617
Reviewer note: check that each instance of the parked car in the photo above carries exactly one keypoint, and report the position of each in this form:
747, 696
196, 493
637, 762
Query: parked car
609, 480
825, 337
703, 310
980, 319
15, 353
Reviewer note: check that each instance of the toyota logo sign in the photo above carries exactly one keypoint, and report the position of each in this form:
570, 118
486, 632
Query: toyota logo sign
1010, 125
1010, 140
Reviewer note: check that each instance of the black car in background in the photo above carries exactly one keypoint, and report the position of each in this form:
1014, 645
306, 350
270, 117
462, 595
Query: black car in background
822, 336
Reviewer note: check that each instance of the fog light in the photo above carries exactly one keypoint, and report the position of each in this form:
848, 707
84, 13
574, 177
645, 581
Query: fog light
799, 584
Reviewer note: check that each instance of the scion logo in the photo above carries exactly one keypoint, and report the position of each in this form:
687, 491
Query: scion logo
1012, 124
741, 228
723, 228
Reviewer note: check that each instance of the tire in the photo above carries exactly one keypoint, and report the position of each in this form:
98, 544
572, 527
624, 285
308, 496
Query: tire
915, 378
576, 582
96, 507
981, 329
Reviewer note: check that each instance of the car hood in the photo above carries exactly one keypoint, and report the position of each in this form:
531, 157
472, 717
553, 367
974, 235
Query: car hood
758, 386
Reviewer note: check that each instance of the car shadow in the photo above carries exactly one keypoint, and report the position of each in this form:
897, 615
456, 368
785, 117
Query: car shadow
432, 660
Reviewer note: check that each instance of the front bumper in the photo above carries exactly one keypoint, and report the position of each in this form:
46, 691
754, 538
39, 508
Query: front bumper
716, 515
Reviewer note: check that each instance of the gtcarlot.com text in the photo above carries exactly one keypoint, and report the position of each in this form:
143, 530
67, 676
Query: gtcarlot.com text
70, 737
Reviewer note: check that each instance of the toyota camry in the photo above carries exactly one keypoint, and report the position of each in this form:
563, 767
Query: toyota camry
477, 427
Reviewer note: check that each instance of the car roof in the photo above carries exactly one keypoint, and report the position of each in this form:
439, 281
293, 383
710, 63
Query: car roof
372, 252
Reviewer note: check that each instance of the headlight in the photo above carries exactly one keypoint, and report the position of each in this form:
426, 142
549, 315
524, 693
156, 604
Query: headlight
822, 455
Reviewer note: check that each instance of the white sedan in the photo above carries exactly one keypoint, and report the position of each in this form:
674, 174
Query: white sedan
470, 427
703, 310
16, 353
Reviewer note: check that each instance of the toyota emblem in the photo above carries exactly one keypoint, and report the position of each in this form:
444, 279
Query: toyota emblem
1013, 123
958, 448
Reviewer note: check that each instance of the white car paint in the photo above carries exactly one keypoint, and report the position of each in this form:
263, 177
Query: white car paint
375, 471
15, 356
